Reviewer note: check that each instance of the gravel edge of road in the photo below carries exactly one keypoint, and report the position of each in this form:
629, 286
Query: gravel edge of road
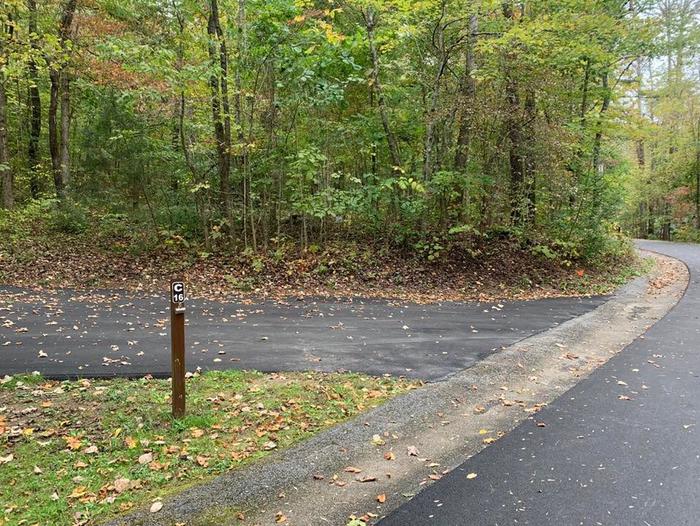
426, 432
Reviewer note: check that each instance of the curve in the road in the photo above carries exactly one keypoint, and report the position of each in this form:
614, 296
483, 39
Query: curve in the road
621, 448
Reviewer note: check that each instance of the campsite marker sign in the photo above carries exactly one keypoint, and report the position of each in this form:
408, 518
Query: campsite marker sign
177, 343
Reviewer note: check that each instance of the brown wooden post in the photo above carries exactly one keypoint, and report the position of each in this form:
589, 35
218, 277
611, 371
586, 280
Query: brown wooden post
177, 341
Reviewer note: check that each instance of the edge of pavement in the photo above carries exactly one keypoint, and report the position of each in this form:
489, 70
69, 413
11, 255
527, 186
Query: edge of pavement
372, 464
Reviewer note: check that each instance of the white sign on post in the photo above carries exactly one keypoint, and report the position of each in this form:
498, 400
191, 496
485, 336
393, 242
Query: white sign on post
177, 292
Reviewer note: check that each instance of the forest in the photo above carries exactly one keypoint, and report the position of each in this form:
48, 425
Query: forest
417, 126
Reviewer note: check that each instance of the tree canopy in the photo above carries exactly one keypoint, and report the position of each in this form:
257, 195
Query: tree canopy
247, 123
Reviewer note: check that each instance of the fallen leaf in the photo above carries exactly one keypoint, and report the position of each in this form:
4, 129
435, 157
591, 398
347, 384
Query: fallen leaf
74, 443
156, 506
280, 517
389, 455
377, 440
121, 485
471, 476
412, 451
196, 433
146, 458
78, 492
381, 499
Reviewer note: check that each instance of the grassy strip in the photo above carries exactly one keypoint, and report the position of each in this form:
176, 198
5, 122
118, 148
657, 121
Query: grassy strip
73, 452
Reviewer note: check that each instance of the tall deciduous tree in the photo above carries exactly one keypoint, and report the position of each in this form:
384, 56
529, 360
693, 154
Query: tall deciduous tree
59, 74
220, 104
34, 102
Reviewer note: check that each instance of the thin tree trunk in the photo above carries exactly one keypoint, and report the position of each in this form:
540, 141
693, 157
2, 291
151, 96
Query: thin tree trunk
6, 176
598, 165
467, 96
65, 128
697, 175
34, 105
59, 140
641, 154
370, 24
515, 155
529, 175
515, 135
54, 146
432, 118
201, 197
221, 118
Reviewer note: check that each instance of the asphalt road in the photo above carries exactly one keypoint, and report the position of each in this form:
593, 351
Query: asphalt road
66, 334
621, 448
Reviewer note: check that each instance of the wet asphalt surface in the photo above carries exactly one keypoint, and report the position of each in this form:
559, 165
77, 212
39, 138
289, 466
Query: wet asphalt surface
621, 448
65, 334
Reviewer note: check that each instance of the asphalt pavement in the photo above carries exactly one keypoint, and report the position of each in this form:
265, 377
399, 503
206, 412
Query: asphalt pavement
113, 333
620, 448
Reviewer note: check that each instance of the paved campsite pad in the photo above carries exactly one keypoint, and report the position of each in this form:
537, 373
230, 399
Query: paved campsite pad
68, 333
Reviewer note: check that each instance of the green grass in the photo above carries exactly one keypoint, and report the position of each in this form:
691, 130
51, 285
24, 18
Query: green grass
50, 472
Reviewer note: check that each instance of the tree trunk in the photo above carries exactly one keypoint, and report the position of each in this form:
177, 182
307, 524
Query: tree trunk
697, 175
370, 24
516, 159
221, 117
529, 173
242, 157
466, 100
65, 128
59, 140
34, 105
515, 155
429, 143
54, 146
6, 176
598, 165
641, 154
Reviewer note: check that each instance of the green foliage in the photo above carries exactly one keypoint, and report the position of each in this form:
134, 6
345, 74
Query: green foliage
531, 142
